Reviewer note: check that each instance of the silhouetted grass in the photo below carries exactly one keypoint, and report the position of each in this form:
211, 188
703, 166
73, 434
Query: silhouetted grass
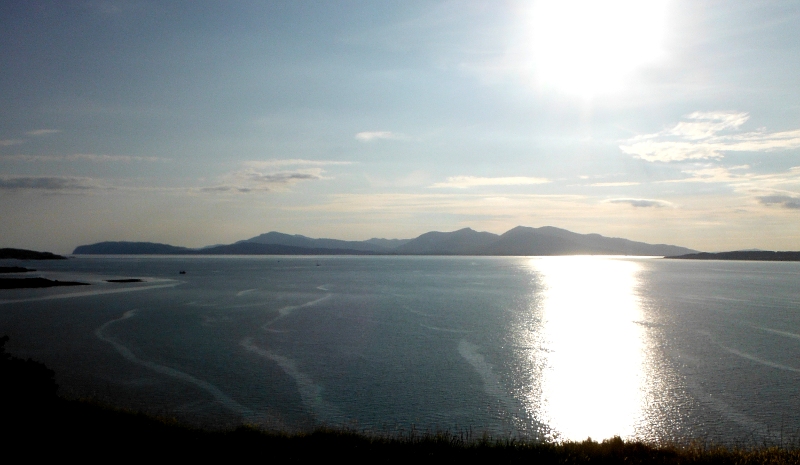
84, 429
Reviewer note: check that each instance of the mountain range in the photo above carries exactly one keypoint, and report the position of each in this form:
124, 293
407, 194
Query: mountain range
521, 240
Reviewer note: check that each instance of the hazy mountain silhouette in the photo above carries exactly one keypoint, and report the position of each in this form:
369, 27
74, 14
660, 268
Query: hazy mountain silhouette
252, 248
296, 240
462, 242
131, 248
549, 240
521, 240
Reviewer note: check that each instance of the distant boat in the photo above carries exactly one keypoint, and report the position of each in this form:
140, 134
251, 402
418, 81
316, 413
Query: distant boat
181, 272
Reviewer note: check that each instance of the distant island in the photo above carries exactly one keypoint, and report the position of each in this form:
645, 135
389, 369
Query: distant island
519, 241
752, 255
22, 254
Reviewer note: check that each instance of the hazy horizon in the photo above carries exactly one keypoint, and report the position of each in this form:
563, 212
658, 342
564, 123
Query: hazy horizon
199, 123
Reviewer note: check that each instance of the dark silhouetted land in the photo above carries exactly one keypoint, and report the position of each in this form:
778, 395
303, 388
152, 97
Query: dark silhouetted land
752, 255
14, 269
32, 283
22, 254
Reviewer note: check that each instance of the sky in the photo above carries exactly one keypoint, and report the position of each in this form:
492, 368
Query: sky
198, 122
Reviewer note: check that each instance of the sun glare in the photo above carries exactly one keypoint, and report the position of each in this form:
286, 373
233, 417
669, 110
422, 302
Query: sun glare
593, 383
588, 47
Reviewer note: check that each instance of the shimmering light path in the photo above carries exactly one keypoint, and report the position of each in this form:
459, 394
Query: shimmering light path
593, 380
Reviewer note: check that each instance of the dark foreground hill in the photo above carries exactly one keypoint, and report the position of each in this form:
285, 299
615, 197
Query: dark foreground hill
521, 240
752, 255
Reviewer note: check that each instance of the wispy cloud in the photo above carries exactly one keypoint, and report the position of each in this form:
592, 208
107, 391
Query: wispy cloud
780, 189
47, 183
614, 184
224, 189
464, 182
42, 132
9, 142
90, 157
786, 201
642, 203
284, 177
738, 176
292, 162
708, 136
367, 136
251, 180
450, 203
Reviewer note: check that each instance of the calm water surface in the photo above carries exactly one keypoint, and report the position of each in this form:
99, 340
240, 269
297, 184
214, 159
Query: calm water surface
556, 347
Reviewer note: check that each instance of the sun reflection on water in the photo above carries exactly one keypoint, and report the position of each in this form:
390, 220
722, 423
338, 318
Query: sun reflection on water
593, 379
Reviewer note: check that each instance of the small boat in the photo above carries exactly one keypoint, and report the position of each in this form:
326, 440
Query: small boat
181, 272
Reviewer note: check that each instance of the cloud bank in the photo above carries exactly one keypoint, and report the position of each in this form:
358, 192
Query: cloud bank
707, 136
464, 182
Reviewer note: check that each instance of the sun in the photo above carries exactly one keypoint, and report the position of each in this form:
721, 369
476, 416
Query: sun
588, 47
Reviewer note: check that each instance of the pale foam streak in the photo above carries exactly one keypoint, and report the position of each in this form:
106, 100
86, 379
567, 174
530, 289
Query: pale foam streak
220, 396
245, 292
90, 293
723, 408
747, 356
491, 383
310, 393
761, 361
780, 333
444, 330
286, 311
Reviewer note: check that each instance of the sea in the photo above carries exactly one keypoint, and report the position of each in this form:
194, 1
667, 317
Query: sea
555, 348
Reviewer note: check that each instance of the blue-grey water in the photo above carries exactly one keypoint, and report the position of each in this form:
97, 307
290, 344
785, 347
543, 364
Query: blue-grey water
555, 347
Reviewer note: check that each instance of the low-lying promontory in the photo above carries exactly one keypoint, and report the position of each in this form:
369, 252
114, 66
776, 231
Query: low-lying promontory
750, 255
24, 254
35, 283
